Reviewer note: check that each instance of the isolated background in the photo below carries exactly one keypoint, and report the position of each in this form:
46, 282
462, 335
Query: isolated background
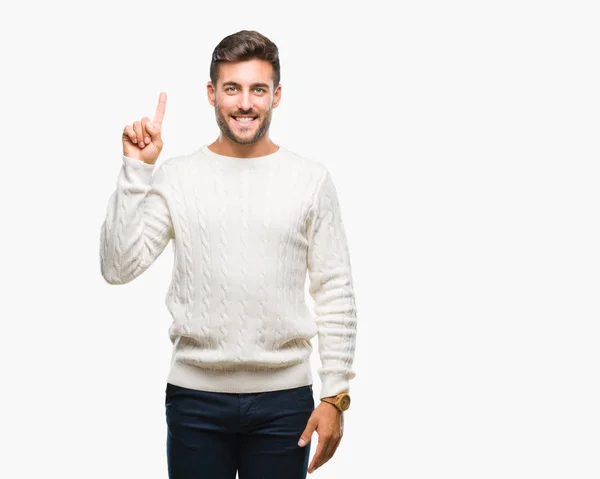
463, 140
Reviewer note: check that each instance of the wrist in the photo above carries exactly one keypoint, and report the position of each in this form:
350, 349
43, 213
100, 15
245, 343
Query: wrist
340, 401
332, 406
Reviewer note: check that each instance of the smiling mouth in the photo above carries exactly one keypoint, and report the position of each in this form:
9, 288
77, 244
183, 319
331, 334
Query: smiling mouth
244, 120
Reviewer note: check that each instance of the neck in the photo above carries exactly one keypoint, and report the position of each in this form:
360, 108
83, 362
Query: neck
224, 146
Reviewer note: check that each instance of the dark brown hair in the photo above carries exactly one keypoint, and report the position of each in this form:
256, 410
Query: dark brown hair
245, 45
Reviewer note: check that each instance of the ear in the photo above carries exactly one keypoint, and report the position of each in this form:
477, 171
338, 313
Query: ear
277, 96
211, 93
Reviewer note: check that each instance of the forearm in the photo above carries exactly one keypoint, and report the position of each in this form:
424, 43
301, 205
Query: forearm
137, 225
337, 326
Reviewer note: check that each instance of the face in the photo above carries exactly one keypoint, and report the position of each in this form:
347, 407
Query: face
244, 99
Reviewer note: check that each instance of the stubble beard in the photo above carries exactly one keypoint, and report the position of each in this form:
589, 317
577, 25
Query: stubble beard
263, 127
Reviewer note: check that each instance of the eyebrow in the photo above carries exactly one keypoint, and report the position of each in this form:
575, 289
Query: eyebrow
254, 85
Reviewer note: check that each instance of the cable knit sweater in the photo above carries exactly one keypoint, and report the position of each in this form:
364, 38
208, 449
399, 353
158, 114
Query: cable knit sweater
245, 233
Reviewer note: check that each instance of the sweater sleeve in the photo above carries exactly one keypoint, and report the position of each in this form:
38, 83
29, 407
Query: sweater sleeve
137, 226
331, 287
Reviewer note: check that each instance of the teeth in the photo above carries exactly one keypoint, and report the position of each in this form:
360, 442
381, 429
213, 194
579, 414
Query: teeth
244, 119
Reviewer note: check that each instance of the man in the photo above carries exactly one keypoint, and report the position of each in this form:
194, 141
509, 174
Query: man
249, 219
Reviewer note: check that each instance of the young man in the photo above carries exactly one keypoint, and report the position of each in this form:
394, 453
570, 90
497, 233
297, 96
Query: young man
249, 219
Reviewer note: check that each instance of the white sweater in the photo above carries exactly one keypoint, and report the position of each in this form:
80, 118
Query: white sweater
245, 233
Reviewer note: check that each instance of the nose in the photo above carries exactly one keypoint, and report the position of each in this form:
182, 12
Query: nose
245, 101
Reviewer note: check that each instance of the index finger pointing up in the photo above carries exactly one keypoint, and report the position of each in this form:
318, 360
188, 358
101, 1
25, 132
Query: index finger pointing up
160, 109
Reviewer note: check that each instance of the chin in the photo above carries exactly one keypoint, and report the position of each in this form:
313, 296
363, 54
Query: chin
246, 141
240, 140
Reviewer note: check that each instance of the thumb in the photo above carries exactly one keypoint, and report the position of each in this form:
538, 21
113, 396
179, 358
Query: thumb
307, 434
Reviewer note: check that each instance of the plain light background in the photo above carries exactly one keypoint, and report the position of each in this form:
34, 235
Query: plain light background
463, 141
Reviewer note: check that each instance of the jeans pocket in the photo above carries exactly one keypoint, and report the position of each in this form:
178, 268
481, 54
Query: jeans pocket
305, 394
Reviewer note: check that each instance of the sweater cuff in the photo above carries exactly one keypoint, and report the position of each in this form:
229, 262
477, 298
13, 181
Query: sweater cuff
332, 385
143, 171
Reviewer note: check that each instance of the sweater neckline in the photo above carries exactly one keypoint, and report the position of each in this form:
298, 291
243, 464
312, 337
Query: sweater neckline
234, 160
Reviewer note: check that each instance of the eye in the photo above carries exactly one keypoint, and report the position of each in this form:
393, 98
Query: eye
230, 88
262, 90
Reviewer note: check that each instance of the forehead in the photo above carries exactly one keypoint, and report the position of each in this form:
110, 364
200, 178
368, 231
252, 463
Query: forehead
246, 72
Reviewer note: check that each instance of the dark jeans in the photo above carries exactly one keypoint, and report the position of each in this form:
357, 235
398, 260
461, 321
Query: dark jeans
213, 435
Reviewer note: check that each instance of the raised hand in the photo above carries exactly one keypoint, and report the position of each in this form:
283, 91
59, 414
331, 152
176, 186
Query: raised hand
142, 140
